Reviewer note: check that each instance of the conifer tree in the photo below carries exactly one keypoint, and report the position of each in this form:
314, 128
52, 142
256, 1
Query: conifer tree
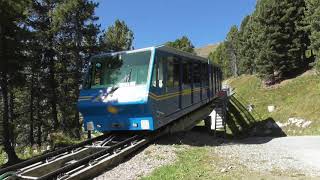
232, 45
313, 27
118, 37
76, 31
183, 44
13, 33
221, 57
283, 45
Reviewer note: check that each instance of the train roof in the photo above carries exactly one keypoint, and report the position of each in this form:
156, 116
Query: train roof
162, 48
181, 53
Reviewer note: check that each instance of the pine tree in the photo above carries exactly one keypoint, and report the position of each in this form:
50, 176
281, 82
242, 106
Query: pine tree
221, 57
13, 33
282, 44
183, 43
248, 46
232, 45
41, 22
313, 27
118, 37
74, 24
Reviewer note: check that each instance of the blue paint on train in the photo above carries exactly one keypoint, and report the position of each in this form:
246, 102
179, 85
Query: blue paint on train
134, 96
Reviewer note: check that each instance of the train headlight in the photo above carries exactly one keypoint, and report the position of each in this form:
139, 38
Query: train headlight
145, 124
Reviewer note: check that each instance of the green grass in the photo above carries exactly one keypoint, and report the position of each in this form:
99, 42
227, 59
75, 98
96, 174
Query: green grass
184, 168
299, 97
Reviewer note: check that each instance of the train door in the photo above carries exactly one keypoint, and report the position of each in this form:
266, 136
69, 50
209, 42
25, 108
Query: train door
166, 85
172, 89
157, 89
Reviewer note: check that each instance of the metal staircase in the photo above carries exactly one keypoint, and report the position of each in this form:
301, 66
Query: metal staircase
217, 118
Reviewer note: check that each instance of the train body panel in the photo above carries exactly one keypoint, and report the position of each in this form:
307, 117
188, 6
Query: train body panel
145, 89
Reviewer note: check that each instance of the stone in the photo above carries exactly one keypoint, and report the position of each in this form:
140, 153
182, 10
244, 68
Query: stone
271, 108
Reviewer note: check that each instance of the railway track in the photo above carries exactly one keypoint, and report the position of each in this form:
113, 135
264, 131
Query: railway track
93, 157
82, 161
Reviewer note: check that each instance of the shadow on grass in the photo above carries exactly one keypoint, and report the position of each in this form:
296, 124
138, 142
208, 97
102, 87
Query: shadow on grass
242, 127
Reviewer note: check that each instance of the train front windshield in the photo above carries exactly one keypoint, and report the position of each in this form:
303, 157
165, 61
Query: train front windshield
126, 69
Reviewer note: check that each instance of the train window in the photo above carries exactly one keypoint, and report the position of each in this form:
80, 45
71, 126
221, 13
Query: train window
196, 74
176, 72
205, 76
157, 77
125, 69
186, 74
170, 72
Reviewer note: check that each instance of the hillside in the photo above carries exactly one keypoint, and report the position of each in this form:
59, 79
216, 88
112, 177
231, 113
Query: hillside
296, 101
206, 50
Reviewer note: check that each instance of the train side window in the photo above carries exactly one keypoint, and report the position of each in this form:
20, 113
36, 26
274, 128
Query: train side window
196, 74
205, 76
176, 72
157, 73
160, 74
170, 72
186, 79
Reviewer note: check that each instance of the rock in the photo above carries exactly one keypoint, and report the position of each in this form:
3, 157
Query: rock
299, 122
223, 170
271, 108
306, 124
279, 124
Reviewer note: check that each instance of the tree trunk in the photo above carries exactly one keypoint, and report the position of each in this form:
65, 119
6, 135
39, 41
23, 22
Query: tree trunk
39, 123
78, 72
11, 115
53, 96
7, 140
31, 137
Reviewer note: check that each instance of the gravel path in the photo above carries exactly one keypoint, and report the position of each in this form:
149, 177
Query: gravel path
297, 155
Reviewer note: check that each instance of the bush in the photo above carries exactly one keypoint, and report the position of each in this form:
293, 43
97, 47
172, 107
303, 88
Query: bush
59, 139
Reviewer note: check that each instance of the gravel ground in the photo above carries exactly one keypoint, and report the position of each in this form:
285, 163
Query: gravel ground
296, 155
142, 164
287, 155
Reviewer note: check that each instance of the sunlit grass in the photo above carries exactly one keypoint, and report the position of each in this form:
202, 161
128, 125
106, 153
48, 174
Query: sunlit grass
299, 98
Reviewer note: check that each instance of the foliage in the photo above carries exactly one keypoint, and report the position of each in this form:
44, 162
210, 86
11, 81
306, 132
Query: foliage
232, 46
183, 44
284, 45
45, 49
312, 26
221, 57
118, 37
272, 42
13, 49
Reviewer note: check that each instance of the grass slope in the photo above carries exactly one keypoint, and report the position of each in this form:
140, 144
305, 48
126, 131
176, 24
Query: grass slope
298, 98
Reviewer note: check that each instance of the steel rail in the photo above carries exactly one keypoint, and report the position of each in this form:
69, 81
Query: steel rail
48, 155
87, 159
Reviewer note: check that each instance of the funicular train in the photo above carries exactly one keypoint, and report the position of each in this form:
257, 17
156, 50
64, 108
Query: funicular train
145, 89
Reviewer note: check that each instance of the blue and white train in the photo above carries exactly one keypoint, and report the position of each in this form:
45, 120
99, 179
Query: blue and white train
145, 89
